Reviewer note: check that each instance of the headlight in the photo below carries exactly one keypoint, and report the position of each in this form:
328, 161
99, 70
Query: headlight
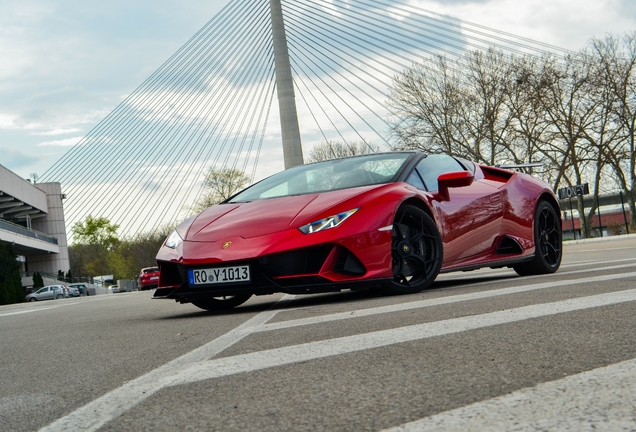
173, 240
326, 223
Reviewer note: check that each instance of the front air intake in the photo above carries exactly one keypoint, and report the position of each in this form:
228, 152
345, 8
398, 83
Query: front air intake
348, 264
297, 262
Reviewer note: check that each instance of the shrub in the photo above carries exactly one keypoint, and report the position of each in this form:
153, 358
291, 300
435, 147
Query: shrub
10, 282
38, 282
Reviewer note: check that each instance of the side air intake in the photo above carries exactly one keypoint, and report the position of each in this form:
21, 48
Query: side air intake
508, 246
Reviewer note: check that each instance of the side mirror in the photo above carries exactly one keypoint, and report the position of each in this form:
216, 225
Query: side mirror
453, 180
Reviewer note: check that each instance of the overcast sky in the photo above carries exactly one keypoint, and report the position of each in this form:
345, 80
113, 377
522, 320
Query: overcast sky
65, 64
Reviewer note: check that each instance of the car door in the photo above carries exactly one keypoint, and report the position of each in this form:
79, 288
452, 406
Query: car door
470, 219
45, 293
56, 291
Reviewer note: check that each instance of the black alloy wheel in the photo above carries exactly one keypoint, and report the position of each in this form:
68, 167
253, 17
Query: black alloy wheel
416, 251
548, 239
221, 303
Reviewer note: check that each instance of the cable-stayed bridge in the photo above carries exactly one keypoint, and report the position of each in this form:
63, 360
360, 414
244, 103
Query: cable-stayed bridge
214, 102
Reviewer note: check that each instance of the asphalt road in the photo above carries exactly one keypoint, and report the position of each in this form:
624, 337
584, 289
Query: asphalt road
483, 350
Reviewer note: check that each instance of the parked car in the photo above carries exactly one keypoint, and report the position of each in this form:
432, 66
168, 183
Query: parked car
81, 288
49, 292
73, 291
113, 288
148, 278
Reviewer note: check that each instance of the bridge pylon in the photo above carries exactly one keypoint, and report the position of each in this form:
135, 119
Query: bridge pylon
292, 148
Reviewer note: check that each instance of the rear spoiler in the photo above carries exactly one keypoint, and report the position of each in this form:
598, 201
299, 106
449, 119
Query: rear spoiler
518, 166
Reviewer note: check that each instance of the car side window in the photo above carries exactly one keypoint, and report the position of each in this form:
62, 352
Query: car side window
415, 180
470, 166
432, 166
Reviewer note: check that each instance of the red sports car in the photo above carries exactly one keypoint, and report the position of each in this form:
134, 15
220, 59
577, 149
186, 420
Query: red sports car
393, 220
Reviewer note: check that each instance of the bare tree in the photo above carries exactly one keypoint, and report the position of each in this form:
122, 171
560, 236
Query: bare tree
425, 102
219, 185
488, 119
461, 108
529, 126
334, 149
575, 112
617, 63
564, 87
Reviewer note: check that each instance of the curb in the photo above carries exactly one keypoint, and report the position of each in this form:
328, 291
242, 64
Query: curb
599, 239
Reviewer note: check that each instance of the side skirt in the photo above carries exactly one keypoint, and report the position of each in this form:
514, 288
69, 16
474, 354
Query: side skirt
492, 264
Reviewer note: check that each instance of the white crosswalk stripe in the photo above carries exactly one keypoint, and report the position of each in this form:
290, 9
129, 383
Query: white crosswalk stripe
600, 399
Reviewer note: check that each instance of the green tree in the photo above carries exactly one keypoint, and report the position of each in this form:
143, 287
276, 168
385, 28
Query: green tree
121, 265
88, 260
96, 231
93, 240
131, 255
123, 261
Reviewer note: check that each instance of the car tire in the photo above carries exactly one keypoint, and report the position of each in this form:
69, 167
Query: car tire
221, 303
548, 240
416, 250
32, 299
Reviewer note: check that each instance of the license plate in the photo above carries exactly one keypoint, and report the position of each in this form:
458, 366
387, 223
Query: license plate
154, 278
219, 275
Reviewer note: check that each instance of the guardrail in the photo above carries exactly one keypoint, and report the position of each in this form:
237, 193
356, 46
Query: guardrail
64, 280
19, 229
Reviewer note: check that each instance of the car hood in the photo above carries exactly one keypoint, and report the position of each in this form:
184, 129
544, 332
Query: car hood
267, 216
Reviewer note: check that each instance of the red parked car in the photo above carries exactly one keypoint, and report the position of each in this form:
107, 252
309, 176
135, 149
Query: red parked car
148, 278
394, 220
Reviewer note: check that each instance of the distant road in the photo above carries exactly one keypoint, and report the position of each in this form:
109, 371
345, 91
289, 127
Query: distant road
482, 350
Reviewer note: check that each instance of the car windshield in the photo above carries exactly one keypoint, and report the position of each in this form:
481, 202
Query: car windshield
151, 270
327, 176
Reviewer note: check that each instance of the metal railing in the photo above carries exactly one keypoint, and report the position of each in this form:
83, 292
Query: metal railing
61, 279
19, 229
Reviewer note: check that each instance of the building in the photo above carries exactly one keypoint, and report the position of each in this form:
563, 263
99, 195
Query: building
614, 220
32, 219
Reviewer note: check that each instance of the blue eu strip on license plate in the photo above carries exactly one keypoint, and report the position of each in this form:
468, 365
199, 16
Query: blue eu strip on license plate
219, 275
